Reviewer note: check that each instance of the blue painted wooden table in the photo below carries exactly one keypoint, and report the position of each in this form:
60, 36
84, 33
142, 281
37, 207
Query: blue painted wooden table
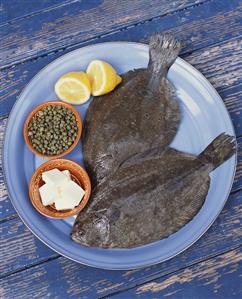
33, 33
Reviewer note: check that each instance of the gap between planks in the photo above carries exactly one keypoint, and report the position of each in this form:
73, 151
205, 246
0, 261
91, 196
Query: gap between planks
68, 2
31, 266
197, 259
96, 38
67, 47
140, 281
13, 215
172, 273
185, 54
28, 15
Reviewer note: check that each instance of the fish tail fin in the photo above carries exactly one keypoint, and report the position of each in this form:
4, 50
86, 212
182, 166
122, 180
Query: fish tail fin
219, 150
164, 49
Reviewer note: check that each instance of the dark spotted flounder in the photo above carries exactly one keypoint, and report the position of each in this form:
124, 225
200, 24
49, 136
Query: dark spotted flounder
143, 190
139, 115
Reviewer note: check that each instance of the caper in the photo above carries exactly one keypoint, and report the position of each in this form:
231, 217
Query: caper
53, 130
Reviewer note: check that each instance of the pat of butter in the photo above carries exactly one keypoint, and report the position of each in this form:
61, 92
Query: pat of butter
48, 194
63, 204
67, 174
60, 190
55, 176
71, 196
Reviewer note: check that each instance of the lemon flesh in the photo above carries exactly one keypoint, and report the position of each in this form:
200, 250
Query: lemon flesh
103, 77
73, 88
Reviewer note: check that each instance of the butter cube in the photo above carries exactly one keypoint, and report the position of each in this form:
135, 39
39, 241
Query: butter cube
59, 189
48, 194
67, 173
74, 192
71, 196
54, 176
63, 204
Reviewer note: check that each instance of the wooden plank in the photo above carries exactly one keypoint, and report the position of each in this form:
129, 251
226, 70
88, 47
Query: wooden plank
77, 280
221, 64
50, 31
219, 277
213, 62
19, 246
233, 100
238, 176
69, 268
7, 210
3, 123
12, 11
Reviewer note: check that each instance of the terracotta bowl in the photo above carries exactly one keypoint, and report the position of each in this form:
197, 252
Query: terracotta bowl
78, 174
40, 107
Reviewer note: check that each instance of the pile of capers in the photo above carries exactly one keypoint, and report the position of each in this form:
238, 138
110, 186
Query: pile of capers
53, 130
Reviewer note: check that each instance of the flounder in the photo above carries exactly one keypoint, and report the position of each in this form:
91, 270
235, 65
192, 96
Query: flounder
143, 190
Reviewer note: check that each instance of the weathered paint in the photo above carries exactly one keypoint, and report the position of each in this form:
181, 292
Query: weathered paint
19, 246
215, 65
238, 177
7, 211
53, 30
218, 277
12, 80
26, 8
21, 249
213, 45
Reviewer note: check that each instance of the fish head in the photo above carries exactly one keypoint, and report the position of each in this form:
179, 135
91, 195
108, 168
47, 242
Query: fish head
93, 231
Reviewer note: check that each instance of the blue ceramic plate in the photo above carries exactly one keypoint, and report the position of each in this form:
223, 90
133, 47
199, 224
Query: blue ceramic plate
204, 116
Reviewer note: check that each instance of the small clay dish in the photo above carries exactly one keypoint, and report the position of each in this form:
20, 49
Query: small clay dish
40, 107
78, 174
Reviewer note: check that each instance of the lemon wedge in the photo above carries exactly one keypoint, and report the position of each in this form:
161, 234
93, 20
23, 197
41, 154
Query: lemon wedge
103, 77
74, 88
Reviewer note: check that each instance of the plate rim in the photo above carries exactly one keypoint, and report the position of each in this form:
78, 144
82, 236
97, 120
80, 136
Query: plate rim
116, 266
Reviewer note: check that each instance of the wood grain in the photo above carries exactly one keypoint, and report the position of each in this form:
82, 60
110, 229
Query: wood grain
24, 250
53, 31
219, 277
238, 176
7, 210
19, 246
36, 35
14, 79
214, 62
3, 123
24, 8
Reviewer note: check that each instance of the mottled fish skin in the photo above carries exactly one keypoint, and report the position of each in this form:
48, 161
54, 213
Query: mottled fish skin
143, 191
167, 188
119, 124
